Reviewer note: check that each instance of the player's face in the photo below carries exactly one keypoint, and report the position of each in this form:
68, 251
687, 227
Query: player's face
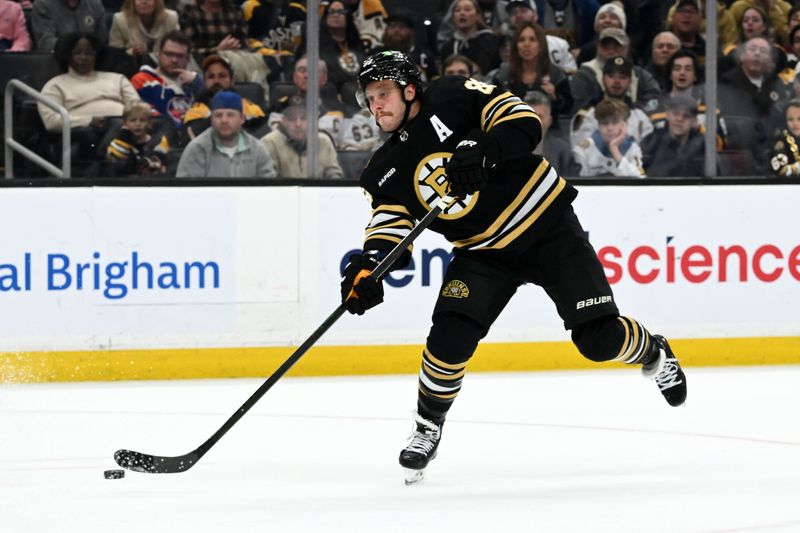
528, 45
793, 119
611, 129
386, 103
226, 123
682, 75
217, 78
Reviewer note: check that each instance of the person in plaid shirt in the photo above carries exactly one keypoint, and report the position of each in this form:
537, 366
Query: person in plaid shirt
213, 26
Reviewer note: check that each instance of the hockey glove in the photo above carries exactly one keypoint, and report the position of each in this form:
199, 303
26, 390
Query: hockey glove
469, 166
360, 289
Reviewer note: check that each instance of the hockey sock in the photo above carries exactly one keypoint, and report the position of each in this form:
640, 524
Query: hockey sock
637, 346
439, 384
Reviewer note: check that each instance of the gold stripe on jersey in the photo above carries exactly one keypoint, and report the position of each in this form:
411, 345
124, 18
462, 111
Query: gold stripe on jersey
508, 111
389, 223
490, 106
163, 146
119, 149
533, 217
515, 116
495, 226
503, 108
534, 198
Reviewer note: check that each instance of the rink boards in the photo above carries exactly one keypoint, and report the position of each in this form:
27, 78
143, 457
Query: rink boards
139, 283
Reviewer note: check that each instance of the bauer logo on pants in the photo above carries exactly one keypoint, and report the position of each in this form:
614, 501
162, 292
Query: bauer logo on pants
456, 289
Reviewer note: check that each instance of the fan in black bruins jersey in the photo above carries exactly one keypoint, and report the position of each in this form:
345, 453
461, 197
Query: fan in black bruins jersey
785, 157
512, 223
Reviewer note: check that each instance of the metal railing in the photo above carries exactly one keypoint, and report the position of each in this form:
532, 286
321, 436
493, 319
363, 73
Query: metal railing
11, 145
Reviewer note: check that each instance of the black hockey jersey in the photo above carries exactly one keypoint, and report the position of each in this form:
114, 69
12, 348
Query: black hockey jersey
406, 176
785, 157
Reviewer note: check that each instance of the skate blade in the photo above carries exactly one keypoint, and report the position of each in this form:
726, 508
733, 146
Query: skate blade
413, 476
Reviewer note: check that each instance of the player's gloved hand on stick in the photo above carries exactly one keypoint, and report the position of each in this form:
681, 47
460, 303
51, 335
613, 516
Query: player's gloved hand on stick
469, 166
360, 289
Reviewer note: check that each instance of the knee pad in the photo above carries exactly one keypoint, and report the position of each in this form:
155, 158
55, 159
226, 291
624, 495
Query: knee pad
599, 339
453, 337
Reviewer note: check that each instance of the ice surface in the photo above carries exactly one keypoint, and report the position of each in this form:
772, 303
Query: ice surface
596, 451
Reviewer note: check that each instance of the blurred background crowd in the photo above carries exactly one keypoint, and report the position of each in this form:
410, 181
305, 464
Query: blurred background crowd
216, 88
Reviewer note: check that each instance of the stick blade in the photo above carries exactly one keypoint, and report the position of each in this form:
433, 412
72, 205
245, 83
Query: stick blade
154, 464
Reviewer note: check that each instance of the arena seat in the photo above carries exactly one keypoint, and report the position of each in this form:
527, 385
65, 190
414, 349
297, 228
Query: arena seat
353, 162
348, 93
736, 163
740, 132
32, 68
252, 91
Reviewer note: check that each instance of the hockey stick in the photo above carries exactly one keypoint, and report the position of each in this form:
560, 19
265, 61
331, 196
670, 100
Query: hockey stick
156, 464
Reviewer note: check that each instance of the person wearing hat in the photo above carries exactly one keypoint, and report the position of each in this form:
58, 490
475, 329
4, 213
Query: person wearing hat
677, 150
331, 109
616, 83
399, 35
587, 83
225, 150
218, 76
287, 144
610, 15
686, 80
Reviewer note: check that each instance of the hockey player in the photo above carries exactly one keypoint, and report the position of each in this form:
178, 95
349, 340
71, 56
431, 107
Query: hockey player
511, 223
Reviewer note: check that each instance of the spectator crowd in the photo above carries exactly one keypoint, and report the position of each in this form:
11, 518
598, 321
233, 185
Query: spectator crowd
217, 88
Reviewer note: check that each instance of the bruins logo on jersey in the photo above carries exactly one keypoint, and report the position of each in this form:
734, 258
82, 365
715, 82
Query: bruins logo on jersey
432, 185
456, 289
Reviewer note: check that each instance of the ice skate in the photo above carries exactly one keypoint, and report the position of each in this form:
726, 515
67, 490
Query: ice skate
667, 373
421, 449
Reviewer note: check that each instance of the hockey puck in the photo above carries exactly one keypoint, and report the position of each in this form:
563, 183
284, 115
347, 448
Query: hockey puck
114, 474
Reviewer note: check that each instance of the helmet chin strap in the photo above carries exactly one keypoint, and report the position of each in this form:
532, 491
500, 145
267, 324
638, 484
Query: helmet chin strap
407, 110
